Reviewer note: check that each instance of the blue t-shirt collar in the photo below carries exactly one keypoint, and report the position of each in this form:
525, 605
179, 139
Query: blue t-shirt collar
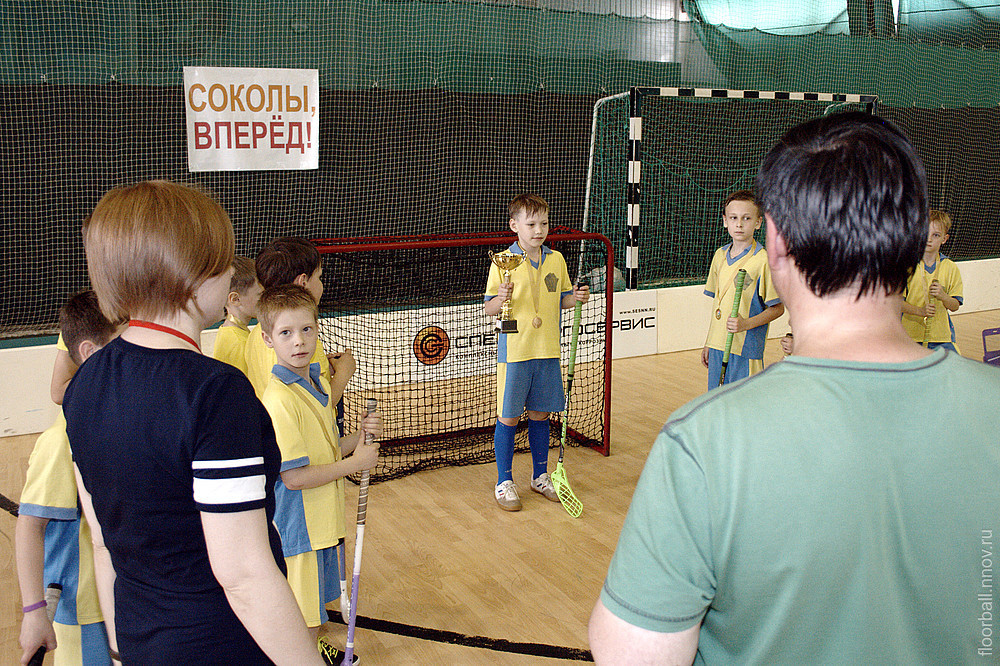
289, 377
754, 245
516, 249
933, 267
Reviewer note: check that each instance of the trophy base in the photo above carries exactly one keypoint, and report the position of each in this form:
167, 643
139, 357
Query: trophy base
507, 325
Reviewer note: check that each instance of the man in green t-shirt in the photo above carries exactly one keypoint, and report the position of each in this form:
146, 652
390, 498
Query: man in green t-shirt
837, 507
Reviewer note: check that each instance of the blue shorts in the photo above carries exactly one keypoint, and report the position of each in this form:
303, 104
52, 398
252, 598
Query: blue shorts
946, 345
738, 368
535, 385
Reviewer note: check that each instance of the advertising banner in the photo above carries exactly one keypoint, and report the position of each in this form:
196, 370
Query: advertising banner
634, 325
446, 343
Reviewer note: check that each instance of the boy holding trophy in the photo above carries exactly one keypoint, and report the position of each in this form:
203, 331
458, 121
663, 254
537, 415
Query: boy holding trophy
528, 286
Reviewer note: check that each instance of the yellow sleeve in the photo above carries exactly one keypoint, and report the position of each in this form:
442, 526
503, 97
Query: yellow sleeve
953, 284
281, 405
50, 485
712, 283
916, 294
61, 344
493, 281
566, 283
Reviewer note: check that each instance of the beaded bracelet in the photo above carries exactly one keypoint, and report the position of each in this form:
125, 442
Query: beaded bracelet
35, 606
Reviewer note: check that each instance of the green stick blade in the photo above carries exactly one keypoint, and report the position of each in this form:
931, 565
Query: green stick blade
567, 498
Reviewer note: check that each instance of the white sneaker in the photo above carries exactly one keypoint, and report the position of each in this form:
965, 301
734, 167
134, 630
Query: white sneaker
543, 485
506, 496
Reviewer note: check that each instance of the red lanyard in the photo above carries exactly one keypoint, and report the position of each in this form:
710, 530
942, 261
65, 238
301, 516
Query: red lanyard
165, 329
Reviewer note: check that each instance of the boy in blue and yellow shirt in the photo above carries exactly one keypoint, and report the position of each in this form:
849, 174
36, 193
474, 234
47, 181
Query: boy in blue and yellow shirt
293, 260
53, 539
309, 496
935, 282
528, 374
759, 303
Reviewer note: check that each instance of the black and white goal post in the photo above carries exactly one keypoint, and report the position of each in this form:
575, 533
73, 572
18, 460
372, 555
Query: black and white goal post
637, 95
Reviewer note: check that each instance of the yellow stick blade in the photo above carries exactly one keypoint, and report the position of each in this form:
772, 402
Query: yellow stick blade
569, 501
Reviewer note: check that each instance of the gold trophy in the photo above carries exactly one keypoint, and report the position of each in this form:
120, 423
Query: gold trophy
506, 262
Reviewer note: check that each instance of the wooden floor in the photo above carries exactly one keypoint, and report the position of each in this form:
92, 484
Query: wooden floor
440, 555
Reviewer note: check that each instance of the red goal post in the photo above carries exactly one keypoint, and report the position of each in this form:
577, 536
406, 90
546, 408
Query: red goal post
411, 310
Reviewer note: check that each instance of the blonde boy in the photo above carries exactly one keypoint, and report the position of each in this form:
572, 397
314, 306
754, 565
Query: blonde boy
759, 304
528, 374
294, 260
53, 542
934, 290
310, 493
241, 307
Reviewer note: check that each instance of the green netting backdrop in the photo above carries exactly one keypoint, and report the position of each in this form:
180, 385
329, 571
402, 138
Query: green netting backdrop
434, 114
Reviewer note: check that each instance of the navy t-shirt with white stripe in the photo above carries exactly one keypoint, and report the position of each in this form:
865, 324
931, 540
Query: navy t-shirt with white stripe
159, 436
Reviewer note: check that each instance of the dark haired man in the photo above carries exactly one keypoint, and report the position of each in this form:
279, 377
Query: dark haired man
831, 509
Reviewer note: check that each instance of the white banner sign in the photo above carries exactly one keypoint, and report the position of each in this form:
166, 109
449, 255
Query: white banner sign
241, 119
634, 325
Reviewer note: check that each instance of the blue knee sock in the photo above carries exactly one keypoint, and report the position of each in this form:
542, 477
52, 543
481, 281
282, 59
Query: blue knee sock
503, 447
538, 440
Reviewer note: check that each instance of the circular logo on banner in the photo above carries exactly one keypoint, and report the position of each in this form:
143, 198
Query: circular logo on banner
431, 345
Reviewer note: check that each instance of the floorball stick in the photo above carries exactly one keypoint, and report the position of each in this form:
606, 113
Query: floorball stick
741, 276
345, 599
569, 501
359, 542
927, 329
